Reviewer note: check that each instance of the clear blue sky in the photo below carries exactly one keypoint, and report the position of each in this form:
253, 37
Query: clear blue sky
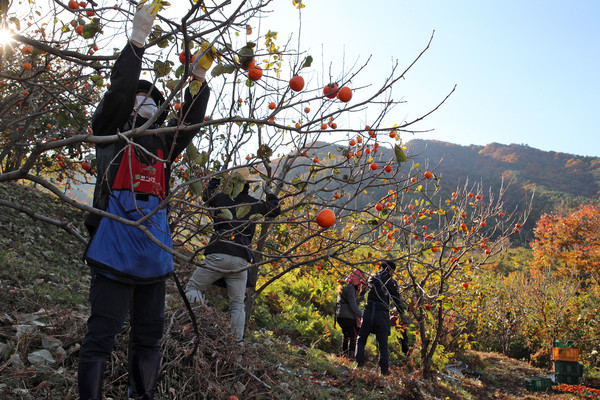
526, 71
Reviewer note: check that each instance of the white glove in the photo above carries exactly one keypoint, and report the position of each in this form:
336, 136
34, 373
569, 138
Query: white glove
205, 62
194, 296
143, 21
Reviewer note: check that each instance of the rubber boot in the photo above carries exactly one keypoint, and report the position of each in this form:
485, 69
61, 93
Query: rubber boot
90, 376
143, 373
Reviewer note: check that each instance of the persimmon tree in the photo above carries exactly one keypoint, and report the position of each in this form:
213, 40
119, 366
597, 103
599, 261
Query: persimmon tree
569, 244
443, 241
302, 135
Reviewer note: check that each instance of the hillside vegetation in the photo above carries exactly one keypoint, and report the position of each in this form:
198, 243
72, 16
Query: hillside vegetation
44, 283
561, 181
557, 181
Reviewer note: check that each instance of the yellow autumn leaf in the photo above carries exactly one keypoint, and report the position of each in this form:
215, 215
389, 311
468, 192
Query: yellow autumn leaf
207, 59
154, 7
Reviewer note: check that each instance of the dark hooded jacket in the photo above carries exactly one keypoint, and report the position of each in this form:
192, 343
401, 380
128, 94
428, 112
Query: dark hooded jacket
234, 236
135, 190
113, 115
383, 289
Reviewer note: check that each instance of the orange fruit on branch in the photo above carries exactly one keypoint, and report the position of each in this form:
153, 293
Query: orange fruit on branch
325, 218
182, 57
345, 94
251, 64
255, 73
297, 83
330, 90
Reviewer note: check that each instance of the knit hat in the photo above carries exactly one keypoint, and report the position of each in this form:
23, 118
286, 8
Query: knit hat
147, 87
355, 277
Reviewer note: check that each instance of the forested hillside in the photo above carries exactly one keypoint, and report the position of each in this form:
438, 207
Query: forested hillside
558, 181
561, 181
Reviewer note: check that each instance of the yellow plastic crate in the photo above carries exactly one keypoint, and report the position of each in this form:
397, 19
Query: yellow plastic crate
566, 354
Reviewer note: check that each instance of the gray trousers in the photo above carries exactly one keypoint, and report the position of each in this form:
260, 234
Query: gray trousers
235, 281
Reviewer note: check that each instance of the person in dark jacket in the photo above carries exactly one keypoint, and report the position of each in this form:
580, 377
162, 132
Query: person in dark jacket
128, 269
229, 251
382, 291
348, 313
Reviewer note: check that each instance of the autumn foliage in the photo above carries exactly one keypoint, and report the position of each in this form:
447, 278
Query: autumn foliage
569, 244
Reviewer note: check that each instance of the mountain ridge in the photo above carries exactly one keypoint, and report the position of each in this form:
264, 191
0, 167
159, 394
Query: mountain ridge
554, 181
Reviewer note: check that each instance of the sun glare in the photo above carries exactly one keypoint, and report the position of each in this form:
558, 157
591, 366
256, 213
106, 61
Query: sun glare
5, 37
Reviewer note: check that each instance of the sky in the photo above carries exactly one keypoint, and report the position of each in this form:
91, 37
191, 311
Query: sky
526, 72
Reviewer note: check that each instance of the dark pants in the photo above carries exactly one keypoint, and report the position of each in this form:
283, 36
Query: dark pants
349, 331
378, 322
111, 301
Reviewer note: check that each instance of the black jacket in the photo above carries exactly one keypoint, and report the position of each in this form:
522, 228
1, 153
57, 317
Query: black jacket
113, 114
347, 303
383, 289
234, 236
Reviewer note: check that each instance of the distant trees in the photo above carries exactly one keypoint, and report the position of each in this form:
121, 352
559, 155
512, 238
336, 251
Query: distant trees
569, 244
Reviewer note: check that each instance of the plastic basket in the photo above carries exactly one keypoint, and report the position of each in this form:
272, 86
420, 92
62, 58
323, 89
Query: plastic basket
538, 384
564, 344
568, 368
568, 379
566, 354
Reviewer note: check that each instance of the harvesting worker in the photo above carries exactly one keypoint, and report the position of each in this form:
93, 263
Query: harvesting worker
229, 250
382, 295
128, 270
347, 311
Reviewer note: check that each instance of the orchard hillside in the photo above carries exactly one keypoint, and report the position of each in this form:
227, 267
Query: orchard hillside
559, 181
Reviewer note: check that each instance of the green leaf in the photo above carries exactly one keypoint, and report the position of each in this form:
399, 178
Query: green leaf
196, 188
163, 68
225, 213
90, 30
179, 71
219, 69
242, 211
255, 217
97, 79
195, 87
191, 151
400, 156
307, 62
201, 159
237, 189
246, 55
